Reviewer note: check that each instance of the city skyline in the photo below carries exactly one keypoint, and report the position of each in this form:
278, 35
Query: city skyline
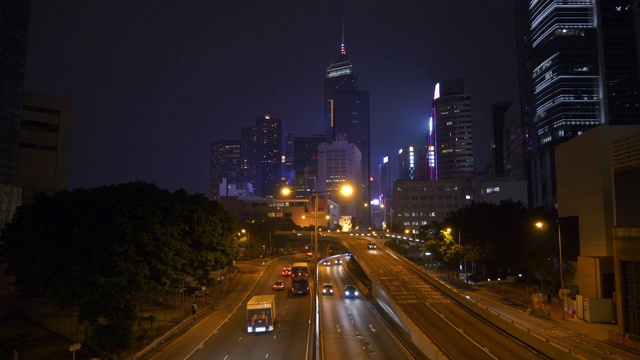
153, 86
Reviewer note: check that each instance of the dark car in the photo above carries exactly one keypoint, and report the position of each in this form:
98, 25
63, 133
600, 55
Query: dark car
327, 289
350, 291
372, 246
278, 285
338, 261
326, 263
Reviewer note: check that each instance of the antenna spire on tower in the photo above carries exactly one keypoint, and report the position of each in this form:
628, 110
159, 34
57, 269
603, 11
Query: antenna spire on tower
342, 50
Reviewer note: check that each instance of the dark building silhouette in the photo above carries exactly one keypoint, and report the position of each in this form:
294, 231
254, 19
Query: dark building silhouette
225, 164
45, 139
619, 31
305, 164
498, 110
515, 146
14, 31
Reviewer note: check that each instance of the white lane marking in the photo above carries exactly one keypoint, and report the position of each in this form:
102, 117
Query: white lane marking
371, 327
338, 327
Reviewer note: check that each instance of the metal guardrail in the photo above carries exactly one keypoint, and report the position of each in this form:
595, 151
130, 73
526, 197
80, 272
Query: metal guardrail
629, 341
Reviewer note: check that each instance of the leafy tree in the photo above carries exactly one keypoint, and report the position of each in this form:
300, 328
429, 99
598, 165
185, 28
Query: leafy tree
106, 245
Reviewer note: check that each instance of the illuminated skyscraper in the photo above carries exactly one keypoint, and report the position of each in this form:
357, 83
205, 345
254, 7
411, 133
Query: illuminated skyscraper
339, 77
262, 155
451, 132
560, 76
347, 114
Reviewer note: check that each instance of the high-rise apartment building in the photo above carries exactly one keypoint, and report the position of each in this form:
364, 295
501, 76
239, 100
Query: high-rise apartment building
339, 162
347, 114
225, 164
45, 138
14, 27
451, 135
262, 155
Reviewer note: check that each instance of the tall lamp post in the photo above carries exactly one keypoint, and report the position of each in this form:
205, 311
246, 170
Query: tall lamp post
345, 190
544, 225
247, 247
460, 244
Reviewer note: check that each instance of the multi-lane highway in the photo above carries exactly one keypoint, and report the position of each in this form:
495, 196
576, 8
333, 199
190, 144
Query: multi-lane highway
289, 339
350, 327
455, 331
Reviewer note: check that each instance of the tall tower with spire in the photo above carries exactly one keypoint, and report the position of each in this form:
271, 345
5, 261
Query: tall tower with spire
347, 117
339, 77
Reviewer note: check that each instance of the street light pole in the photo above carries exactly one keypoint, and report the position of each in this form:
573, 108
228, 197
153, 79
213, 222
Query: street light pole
561, 266
345, 190
247, 247
316, 311
544, 225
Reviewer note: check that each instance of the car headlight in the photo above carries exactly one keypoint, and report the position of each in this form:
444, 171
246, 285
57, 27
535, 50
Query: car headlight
347, 293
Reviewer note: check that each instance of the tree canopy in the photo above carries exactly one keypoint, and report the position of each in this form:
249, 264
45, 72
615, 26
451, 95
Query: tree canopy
96, 249
498, 238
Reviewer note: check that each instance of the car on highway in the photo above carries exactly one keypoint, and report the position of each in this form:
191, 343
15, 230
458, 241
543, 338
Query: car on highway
372, 246
286, 271
327, 289
278, 285
337, 261
326, 263
350, 291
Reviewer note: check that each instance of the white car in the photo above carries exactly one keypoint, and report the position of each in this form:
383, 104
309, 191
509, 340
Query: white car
327, 289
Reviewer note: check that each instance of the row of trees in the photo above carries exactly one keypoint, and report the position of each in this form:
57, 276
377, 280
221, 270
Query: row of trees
97, 249
500, 239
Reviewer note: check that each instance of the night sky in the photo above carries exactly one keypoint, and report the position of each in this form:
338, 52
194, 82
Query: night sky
154, 82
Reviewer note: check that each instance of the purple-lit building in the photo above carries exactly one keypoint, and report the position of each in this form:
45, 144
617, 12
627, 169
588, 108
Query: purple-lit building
451, 132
